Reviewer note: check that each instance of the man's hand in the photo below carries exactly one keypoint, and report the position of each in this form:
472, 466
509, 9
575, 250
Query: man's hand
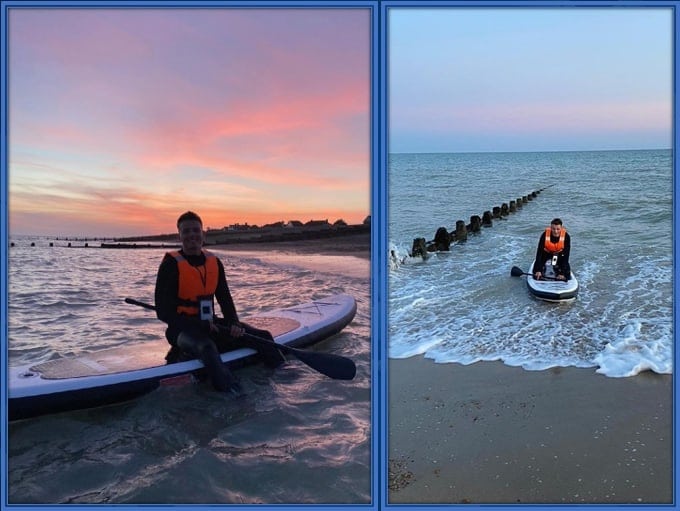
237, 330
234, 330
538, 275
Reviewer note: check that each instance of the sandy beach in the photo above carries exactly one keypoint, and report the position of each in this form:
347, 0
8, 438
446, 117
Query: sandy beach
358, 245
347, 255
490, 433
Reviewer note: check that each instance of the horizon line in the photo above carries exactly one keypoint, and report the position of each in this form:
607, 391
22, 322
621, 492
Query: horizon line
532, 151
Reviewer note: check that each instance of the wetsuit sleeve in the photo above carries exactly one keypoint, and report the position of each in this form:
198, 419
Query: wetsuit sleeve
167, 284
540, 254
567, 248
165, 297
224, 298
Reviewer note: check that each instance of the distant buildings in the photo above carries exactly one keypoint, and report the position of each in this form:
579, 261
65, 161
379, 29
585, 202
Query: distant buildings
277, 231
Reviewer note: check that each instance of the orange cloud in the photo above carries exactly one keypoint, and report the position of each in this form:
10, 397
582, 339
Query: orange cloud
124, 118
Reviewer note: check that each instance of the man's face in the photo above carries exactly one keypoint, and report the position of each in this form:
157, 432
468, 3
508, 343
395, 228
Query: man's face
555, 229
191, 236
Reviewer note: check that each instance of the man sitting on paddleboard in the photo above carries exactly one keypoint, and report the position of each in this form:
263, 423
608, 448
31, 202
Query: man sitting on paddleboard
553, 248
187, 285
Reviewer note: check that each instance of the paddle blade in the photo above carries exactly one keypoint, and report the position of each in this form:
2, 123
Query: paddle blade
333, 366
516, 272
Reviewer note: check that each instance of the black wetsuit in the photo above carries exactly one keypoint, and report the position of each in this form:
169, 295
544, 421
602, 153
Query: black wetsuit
562, 267
189, 335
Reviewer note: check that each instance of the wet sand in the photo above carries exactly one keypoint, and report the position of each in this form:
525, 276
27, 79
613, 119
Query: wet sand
358, 245
347, 255
490, 433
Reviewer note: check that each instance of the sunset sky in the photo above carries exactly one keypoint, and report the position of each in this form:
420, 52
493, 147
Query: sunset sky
530, 78
121, 119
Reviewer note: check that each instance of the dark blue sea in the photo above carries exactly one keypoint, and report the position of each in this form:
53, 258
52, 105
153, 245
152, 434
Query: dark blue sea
463, 306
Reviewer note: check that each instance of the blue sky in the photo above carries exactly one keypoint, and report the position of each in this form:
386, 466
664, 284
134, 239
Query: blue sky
529, 79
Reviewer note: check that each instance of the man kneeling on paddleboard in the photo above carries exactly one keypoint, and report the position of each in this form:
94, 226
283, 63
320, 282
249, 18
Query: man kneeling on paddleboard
553, 249
187, 284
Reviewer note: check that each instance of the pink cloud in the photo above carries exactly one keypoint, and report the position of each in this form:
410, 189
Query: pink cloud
566, 117
262, 103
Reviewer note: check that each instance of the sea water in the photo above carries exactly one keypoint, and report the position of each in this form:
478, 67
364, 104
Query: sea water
464, 306
296, 437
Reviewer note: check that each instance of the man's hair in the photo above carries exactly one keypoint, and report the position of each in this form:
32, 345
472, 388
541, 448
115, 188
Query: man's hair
189, 215
556, 221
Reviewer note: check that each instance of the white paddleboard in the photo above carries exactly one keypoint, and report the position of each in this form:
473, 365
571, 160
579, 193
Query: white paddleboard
124, 372
553, 290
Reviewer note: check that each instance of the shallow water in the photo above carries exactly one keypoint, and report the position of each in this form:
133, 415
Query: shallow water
297, 436
463, 306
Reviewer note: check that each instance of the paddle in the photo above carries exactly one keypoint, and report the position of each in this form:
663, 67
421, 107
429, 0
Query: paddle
333, 366
517, 272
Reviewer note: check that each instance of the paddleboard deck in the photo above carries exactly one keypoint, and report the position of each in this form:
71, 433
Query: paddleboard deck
121, 373
553, 290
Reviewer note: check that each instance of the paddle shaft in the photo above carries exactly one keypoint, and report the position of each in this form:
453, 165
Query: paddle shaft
517, 272
282, 347
333, 366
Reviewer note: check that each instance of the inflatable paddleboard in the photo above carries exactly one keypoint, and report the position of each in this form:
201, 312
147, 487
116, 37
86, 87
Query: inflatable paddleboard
124, 372
553, 290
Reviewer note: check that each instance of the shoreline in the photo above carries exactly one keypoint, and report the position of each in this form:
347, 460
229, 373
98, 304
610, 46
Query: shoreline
344, 255
358, 245
491, 433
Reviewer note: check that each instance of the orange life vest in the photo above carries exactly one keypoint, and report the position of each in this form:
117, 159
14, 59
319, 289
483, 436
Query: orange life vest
551, 247
195, 282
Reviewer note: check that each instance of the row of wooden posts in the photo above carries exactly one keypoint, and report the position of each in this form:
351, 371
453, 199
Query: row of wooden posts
12, 244
114, 245
443, 239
